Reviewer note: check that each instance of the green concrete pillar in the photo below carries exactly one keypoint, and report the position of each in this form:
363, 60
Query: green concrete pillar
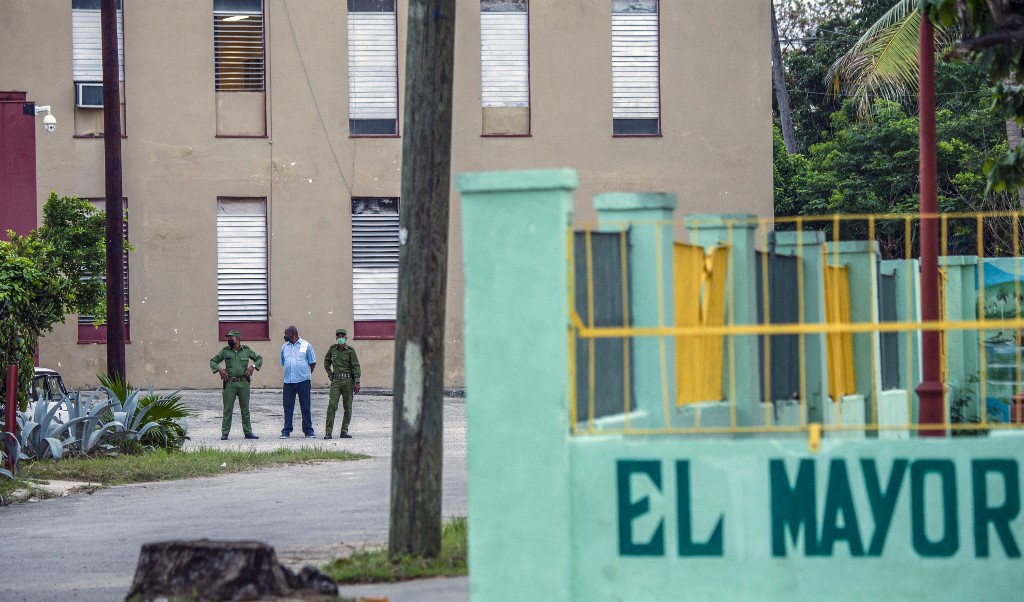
515, 253
963, 355
808, 247
649, 219
742, 355
908, 309
862, 257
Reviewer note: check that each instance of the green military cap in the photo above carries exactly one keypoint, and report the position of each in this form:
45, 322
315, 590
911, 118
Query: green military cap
234, 333
341, 331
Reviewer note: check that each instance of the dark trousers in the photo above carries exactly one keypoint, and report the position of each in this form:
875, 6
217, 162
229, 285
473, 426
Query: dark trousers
290, 390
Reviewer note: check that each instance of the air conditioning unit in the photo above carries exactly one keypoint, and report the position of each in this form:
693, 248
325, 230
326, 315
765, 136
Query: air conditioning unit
89, 95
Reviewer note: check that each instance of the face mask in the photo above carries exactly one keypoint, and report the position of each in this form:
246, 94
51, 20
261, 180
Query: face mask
232, 343
287, 339
341, 341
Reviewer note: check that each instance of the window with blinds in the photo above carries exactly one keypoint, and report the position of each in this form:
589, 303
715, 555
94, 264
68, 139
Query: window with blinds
636, 94
374, 266
505, 67
238, 45
242, 261
88, 331
86, 41
372, 68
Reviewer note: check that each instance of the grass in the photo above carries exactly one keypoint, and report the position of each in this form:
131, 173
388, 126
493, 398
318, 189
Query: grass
165, 466
373, 565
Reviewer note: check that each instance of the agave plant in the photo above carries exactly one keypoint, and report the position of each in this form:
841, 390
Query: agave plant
87, 425
150, 419
43, 435
9, 448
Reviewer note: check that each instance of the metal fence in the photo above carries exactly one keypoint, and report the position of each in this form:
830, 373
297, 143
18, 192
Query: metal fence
818, 325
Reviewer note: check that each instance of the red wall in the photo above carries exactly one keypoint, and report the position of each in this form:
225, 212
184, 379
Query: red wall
17, 165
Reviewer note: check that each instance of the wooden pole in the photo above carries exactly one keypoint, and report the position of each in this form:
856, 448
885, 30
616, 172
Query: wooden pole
114, 207
930, 391
422, 274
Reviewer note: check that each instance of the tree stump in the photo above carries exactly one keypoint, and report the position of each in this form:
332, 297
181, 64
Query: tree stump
220, 570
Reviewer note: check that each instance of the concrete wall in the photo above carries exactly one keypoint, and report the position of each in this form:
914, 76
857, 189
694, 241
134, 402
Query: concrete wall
714, 155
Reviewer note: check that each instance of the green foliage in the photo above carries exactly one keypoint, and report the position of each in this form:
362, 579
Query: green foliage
990, 34
41, 281
150, 420
10, 448
827, 33
90, 427
43, 435
368, 566
871, 166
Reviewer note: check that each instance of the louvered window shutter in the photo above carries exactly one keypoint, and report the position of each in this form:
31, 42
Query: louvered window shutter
504, 53
374, 258
372, 67
87, 320
241, 260
635, 65
86, 41
238, 45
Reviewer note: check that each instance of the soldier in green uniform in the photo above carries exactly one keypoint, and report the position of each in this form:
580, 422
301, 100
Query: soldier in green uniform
236, 374
342, 367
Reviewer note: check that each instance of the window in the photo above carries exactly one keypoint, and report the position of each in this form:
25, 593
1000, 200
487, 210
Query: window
239, 59
87, 66
372, 68
86, 42
505, 67
636, 93
88, 331
242, 297
374, 267
238, 45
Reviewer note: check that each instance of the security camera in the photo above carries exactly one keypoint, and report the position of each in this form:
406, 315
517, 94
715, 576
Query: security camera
49, 121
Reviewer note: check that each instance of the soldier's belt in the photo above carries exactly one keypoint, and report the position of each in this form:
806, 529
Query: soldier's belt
341, 375
238, 379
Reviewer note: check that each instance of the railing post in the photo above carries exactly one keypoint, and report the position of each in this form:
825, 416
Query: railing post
649, 219
807, 246
515, 253
742, 355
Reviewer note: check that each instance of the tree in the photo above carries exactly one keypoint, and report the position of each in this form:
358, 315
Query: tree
884, 62
813, 35
55, 270
993, 31
779, 84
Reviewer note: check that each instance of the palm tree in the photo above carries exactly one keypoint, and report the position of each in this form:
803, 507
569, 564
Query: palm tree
884, 62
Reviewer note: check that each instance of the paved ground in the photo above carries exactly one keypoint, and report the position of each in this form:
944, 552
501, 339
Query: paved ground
84, 547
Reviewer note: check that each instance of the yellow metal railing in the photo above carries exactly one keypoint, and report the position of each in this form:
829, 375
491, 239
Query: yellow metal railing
705, 334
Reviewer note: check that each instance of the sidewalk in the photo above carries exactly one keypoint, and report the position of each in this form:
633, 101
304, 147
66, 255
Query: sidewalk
308, 513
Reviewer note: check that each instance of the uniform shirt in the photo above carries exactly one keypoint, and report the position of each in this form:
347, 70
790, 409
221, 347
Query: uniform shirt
342, 360
296, 358
236, 362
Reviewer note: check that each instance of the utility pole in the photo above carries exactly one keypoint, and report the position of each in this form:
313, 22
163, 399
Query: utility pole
930, 391
114, 206
422, 277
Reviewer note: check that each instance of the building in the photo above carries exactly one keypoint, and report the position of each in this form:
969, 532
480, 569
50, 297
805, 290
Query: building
262, 149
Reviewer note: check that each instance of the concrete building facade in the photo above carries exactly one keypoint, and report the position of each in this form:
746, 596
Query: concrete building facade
275, 125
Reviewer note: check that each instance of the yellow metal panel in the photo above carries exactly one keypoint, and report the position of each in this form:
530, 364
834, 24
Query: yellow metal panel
699, 301
841, 375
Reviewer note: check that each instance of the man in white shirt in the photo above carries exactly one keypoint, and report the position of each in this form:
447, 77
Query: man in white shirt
299, 360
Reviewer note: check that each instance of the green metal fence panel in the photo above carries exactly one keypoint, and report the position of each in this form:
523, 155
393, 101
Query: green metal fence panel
604, 277
889, 342
784, 305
